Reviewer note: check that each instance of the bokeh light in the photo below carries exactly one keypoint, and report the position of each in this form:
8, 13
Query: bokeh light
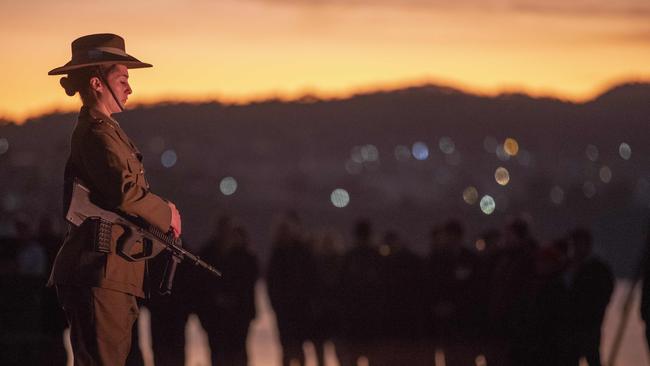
480, 245
625, 151
356, 155
589, 189
369, 153
340, 198
487, 204
420, 151
470, 195
353, 167
511, 146
557, 195
490, 144
480, 360
168, 158
446, 145
4, 145
501, 153
592, 152
228, 186
502, 176
402, 153
605, 174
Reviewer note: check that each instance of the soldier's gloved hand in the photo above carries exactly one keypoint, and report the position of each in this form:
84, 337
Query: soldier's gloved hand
176, 219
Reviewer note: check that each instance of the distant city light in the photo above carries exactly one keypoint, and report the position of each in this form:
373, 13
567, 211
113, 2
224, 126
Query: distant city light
592, 152
480, 245
353, 167
557, 195
487, 204
356, 155
4, 145
470, 195
480, 360
501, 153
369, 153
446, 145
605, 174
420, 151
340, 198
511, 146
625, 151
490, 144
502, 176
228, 186
156, 144
589, 189
402, 153
384, 250
168, 158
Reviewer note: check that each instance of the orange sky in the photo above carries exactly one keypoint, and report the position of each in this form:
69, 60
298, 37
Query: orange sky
246, 49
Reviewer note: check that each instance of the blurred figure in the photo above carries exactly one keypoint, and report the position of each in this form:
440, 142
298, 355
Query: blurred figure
590, 283
169, 313
227, 306
543, 321
54, 321
452, 295
362, 295
290, 279
31, 257
645, 292
328, 259
402, 274
514, 270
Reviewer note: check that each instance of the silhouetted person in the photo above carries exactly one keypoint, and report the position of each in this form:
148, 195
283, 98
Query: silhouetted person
451, 289
645, 292
591, 284
542, 323
291, 278
228, 304
509, 294
402, 274
362, 294
54, 321
168, 313
326, 304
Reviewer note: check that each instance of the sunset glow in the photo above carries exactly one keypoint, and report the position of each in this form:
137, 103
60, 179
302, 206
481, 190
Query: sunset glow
236, 51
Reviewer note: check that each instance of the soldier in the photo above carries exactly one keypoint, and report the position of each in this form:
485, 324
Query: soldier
98, 290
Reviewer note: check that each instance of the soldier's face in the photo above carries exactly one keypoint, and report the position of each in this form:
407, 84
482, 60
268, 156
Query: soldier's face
118, 79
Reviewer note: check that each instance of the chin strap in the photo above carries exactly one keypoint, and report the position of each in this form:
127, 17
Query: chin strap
103, 79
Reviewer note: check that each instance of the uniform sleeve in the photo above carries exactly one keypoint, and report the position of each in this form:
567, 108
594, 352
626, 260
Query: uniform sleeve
105, 160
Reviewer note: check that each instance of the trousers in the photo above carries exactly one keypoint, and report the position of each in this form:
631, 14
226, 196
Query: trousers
101, 323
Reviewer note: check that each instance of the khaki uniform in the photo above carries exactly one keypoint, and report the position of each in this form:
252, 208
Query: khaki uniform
87, 281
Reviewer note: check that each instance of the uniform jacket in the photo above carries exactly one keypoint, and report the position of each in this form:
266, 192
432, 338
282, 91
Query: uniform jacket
109, 164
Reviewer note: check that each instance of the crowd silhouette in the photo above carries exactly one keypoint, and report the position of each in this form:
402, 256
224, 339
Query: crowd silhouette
506, 299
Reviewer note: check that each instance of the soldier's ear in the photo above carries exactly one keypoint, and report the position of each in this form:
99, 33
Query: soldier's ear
96, 84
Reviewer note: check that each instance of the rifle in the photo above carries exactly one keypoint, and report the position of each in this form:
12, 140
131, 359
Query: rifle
154, 240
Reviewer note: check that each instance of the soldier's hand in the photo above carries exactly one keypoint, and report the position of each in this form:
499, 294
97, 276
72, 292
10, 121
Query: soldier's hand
176, 219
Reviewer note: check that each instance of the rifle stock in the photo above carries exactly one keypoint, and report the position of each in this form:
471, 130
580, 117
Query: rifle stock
153, 240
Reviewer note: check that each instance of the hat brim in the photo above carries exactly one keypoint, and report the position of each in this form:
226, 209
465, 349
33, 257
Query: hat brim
107, 58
